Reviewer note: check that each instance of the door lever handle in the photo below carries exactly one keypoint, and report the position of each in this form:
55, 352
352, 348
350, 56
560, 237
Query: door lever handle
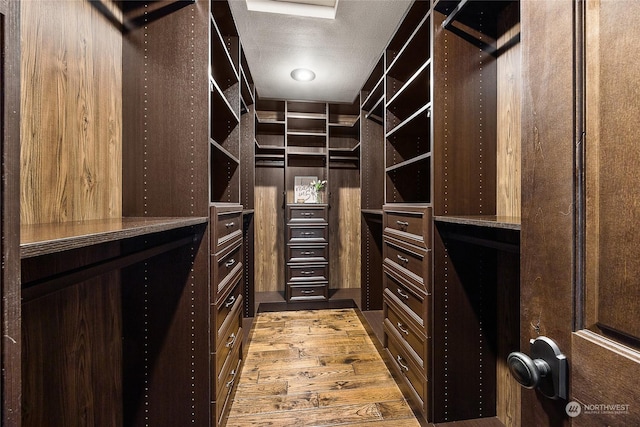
545, 370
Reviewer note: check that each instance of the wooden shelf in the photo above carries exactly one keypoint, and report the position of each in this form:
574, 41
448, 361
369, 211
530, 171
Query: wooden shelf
222, 104
229, 69
224, 151
376, 212
375, 96
409, 162
43, 239
486, 221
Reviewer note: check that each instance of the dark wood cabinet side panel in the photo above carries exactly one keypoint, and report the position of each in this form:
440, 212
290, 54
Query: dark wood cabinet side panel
464, 330
165, 113
72, 356
372, 164
464, 124
165, 303
371, 264
547, 236
10, 345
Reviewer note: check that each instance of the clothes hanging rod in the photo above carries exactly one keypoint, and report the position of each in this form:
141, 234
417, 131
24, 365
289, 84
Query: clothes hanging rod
454, 13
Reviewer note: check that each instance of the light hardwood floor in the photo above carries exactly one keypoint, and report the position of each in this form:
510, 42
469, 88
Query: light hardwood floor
316, 368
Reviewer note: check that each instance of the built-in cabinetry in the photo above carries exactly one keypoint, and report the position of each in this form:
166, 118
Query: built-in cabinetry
232, 130
407, 213
134, 203
372, 187
450, 125
297, 142
307, 252
407, 297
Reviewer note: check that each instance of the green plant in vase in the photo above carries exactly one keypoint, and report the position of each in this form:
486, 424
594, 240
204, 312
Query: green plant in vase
318, 187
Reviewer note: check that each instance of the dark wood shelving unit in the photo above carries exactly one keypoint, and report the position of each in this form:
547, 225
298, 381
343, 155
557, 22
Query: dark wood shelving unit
372, 186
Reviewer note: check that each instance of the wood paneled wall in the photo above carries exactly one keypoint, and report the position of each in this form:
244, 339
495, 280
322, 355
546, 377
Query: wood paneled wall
344, 229
71, 124
269, 230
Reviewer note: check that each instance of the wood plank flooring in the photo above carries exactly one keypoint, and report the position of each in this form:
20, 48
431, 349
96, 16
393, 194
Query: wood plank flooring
315, 368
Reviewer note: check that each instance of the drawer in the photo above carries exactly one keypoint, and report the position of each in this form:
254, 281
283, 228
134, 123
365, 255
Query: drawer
403, 293
232, 335
223, 308
308, 253
307, 273
411, 260
411, 224
408, 331
308, 233
414, 376
221, 335
225, 381
315, 292
226, 225
306, 214
227, 264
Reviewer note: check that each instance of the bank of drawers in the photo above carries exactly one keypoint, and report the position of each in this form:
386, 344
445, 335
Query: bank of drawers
307, 268
226, 303
407, 296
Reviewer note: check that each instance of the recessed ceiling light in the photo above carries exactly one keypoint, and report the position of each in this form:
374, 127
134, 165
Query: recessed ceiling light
303, 75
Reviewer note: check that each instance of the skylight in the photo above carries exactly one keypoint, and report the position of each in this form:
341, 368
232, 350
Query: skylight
312, 8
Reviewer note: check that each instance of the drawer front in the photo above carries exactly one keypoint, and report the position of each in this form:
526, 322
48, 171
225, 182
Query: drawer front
224, 307
406, 295
233, 334
226, 226
226, 379
308, 253
408, 332
414, 376
306, 213
308, 233
411, 260
410, 224
308, 273
226, 266
224, 400
221, 335
315, 292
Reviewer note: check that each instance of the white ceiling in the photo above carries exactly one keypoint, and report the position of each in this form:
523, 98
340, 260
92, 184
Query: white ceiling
341, 51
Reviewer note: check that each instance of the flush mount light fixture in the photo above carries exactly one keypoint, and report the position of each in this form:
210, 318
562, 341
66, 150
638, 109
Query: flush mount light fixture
303, 75
311, 8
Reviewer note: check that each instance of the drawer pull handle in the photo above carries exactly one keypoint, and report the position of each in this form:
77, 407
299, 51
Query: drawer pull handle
402, 365
306, 214
307, 291
402, 294
230, 301
233, 378
232, 340
307, 253
307, 273
402, 329
307, 233
230, 224
230, 263
402, 223
403, 259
